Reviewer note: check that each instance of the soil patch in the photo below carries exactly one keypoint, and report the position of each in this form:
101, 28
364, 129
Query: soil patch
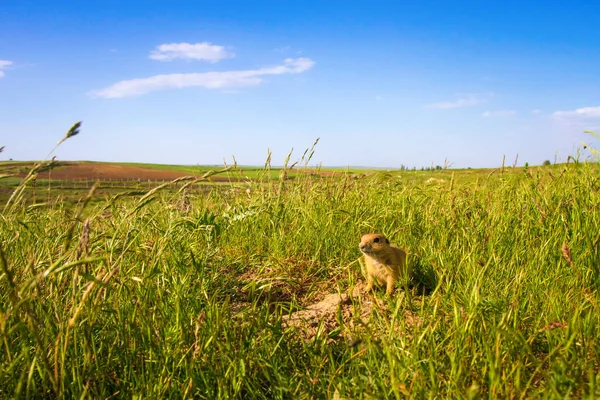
351, 309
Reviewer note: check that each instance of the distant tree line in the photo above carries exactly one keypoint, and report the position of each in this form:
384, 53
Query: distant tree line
432, 168
439, 167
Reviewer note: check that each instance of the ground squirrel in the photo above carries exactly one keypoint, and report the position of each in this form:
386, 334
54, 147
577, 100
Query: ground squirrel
384, 262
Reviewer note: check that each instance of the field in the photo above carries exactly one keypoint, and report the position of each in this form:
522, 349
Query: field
250, 286
71, 180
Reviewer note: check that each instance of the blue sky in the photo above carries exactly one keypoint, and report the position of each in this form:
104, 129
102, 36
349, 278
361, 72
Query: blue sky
380, 83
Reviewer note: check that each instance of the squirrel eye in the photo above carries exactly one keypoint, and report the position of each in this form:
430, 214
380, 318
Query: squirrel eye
376, 240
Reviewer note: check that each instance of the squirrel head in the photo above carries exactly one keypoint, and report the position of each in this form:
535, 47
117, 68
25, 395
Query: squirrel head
373, 243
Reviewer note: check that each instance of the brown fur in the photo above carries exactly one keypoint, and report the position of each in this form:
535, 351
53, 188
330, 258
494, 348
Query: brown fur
384, 262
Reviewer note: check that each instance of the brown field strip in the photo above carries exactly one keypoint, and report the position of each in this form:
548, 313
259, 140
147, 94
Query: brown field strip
110, 172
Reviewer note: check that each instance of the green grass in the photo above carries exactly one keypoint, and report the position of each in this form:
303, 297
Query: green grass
181, 294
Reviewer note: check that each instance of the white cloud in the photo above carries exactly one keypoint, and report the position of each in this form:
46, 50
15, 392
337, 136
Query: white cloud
188, 51
498, 113
584, 113
536, 111
209, 80
463, 101
4, 64
585, 118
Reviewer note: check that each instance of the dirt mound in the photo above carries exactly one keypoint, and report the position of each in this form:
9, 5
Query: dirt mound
347, 313
351, 310
354, 310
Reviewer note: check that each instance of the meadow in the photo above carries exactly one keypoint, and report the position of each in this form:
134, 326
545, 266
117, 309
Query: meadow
187, 293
